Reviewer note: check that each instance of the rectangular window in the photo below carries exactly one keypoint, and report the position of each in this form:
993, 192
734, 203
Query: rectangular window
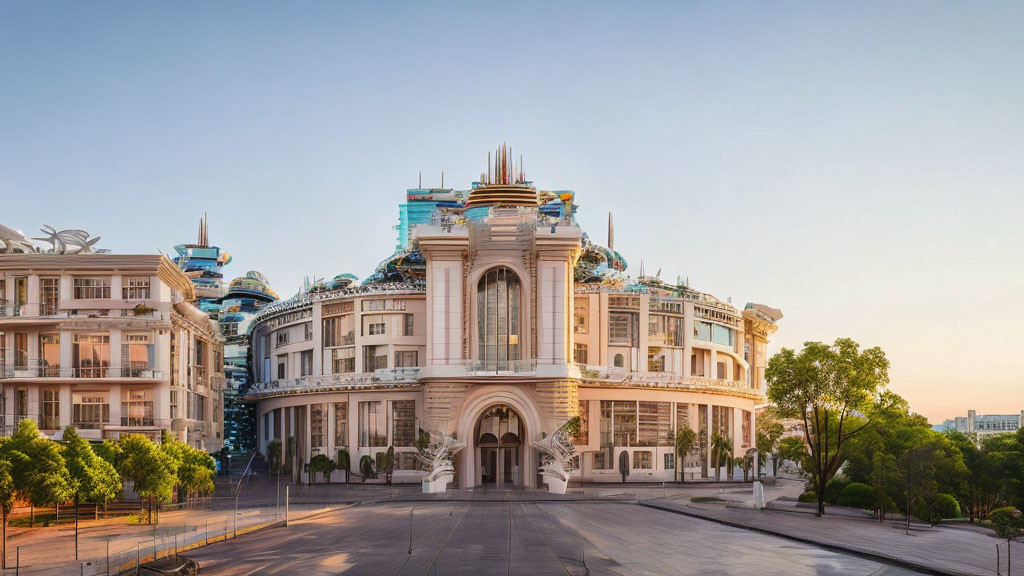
307, 330
136, 408
21, 350
306, 363
403, 423
135, 288
622, 328
174, 404
89, 409
624, 423
137, 356
282, 365
375, 358
603, 460
643, 460
655, 423
702, 330
408, 324
376, 329
746, 428
316, 425
49, 418
581, 315
92, 288
722, 335
343, 360
49, 355
340, 424
670, 461
579, 353
49, 296
373, 432
282, 337
720, 371
664, 330
91, 355
406, 359
332, 332
373, 305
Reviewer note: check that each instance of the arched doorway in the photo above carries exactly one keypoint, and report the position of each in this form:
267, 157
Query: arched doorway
499, 434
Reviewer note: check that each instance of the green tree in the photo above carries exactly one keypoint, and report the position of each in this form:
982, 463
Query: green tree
768, 433
685, 437
721, 452
1008, 523
194, 468
823, 385
388, 465
7, 494
38, 468
151, 470
91, 478
793, 448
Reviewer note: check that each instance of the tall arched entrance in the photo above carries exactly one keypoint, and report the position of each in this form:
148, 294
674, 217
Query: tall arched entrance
499, 435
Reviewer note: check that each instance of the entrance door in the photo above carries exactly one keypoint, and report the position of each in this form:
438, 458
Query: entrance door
508, 464
489, 465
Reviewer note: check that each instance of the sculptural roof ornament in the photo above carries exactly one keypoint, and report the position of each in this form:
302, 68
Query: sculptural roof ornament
60, 242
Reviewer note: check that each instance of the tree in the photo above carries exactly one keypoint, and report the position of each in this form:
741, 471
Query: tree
7, 492
793, 448
1009, 525
685, 437
721, 452
321, 463
824, 385
193, 467
767, 432
388, 465
151, 470
38, 468
91, 478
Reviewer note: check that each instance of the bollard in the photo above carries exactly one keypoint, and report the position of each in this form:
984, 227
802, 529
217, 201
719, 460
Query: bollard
17, 561
207, 529
138, 554
287, 501
108, 557
410, 531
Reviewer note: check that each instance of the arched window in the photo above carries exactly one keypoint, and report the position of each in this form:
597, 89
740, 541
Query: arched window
618, 360
497, 318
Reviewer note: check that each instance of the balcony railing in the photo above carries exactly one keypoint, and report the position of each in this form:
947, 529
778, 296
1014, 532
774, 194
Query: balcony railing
43, 369
663, 380
500, 368
9, 309
380, 378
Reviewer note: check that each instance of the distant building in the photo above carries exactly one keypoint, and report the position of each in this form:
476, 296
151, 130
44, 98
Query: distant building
989, 424
109, 344
231, 309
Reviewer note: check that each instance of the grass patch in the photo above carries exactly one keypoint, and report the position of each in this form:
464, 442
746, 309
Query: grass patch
706, 499
42, 520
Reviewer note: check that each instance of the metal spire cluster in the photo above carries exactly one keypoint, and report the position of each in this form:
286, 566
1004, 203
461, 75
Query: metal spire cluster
503, 170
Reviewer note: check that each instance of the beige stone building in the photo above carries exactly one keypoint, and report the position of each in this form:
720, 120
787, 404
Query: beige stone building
109, 344
496, 322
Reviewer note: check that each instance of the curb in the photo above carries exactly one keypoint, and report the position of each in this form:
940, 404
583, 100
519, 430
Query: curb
866, 554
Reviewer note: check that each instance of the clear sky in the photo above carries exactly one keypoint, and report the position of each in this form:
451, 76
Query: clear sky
859, 165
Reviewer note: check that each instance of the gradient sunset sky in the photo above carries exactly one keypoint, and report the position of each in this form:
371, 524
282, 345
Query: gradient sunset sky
858, 165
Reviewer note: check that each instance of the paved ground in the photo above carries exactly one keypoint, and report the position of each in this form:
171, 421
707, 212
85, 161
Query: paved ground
951, 549
536, 538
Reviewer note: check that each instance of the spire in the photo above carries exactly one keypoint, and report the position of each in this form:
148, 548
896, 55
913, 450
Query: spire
611, 233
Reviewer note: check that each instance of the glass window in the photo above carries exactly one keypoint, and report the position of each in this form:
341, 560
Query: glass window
406, 359
137, 356
670, 461
655, 423
722, 335
50, 416
89, 409
408, 320
403, 422
619, 361
49, 352
581, 315
624, 423
702, 330
21, 350
49, 296
603, 459
92, 288
622, 328
307, 330
584, 436
643, 460
579, 353
373, 430
375, 358
340, 424
134, 288
306, 362
316, 425
91, 355
136, 408
497, 316
344, 360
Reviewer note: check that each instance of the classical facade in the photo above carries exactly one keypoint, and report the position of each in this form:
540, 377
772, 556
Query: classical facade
109, 344
499, 323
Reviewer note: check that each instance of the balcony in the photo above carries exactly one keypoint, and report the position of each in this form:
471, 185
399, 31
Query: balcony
666, 380
394, 378
43, 369
9, 309
501, 368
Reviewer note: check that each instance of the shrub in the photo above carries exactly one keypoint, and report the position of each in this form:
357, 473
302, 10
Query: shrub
809, 496
857, 495
833, 490
936, 509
